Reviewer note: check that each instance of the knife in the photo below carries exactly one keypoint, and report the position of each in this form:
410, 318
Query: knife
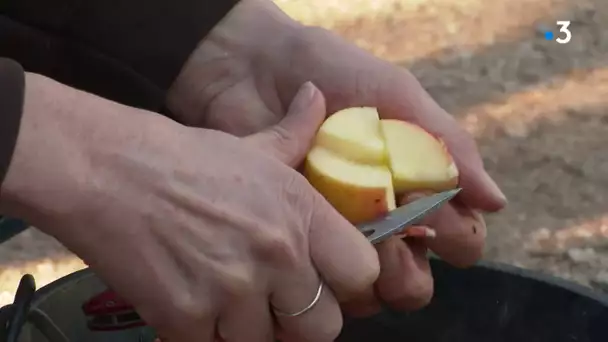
398, 220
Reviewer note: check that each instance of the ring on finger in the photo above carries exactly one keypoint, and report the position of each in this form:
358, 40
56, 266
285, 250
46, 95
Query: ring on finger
307, 308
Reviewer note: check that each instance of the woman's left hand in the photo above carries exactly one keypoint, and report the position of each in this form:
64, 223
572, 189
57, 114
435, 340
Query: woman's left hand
243, 76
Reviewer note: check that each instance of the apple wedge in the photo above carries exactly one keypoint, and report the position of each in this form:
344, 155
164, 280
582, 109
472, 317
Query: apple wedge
358, 162
359, 192
418, 160
354, 134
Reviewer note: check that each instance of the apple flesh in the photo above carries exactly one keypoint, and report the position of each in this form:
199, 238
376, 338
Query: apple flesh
354, 134
347, 165
359, 192
358, 162
418, 160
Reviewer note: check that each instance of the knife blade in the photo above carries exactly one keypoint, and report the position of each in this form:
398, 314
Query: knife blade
396, 221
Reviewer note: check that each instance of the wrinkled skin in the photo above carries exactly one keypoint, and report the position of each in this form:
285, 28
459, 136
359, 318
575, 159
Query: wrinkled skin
203, 232
241, 78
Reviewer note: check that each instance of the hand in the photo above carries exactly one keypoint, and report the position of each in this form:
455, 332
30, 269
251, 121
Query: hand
201, 231
256, 59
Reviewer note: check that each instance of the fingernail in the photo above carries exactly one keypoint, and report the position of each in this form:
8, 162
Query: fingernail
411, 197
304, 97
418, 232
494, 189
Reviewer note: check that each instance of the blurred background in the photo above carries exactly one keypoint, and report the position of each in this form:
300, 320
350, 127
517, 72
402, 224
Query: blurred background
538, 109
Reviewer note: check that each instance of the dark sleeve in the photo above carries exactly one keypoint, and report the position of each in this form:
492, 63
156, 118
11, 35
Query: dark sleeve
126, 50
129, 51
12, 87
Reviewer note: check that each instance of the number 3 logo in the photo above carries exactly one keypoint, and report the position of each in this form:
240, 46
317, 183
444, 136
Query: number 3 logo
563, 27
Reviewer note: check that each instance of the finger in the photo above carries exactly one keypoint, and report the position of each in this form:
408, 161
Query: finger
405, 281
296, 289
183, 321
343, 256
365, 305
243, 112
405, 99
201, 331
249, 320
460, 233
291, 139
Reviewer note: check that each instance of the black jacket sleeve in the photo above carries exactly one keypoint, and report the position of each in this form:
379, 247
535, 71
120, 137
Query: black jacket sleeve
12, 84
129, 51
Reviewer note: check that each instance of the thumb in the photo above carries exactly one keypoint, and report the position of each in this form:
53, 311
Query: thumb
290, 140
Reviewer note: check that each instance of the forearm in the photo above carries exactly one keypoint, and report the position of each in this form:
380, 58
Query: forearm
64, 136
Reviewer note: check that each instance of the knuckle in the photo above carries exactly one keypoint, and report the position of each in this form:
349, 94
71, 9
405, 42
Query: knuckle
284, 142
283, 135
280, 249
306, 44
295, 186
302, 198
187, 307
182, 310
237, 281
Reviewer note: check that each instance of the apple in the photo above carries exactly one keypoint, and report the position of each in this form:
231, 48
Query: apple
354, 134
418, 160
359, 162
347, 165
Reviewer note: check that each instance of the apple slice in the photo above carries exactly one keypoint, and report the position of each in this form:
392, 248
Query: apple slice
418, 160
359, 192
354, 133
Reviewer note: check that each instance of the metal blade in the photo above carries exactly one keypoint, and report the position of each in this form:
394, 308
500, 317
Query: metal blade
397, 220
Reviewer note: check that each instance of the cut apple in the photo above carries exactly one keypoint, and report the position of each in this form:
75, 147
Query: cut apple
360, 192
354, 134
418, 160
358, 162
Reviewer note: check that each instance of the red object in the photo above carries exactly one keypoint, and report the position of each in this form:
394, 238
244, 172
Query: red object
109, 312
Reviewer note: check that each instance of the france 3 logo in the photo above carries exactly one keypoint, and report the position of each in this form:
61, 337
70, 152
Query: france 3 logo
563, 36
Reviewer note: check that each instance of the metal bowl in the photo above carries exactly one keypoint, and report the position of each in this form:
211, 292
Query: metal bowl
486, 303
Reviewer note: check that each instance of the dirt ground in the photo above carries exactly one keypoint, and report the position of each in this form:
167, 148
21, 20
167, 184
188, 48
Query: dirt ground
538, 109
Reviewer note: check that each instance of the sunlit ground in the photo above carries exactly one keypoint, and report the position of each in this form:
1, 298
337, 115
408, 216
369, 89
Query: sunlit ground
539, 111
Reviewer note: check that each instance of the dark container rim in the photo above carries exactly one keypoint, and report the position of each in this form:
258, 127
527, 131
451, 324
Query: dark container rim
547, 279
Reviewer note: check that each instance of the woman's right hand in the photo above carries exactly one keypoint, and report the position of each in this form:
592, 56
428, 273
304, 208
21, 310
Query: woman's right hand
201, 231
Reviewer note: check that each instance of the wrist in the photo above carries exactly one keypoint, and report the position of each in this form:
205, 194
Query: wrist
49, 157
64, 141
251, 33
